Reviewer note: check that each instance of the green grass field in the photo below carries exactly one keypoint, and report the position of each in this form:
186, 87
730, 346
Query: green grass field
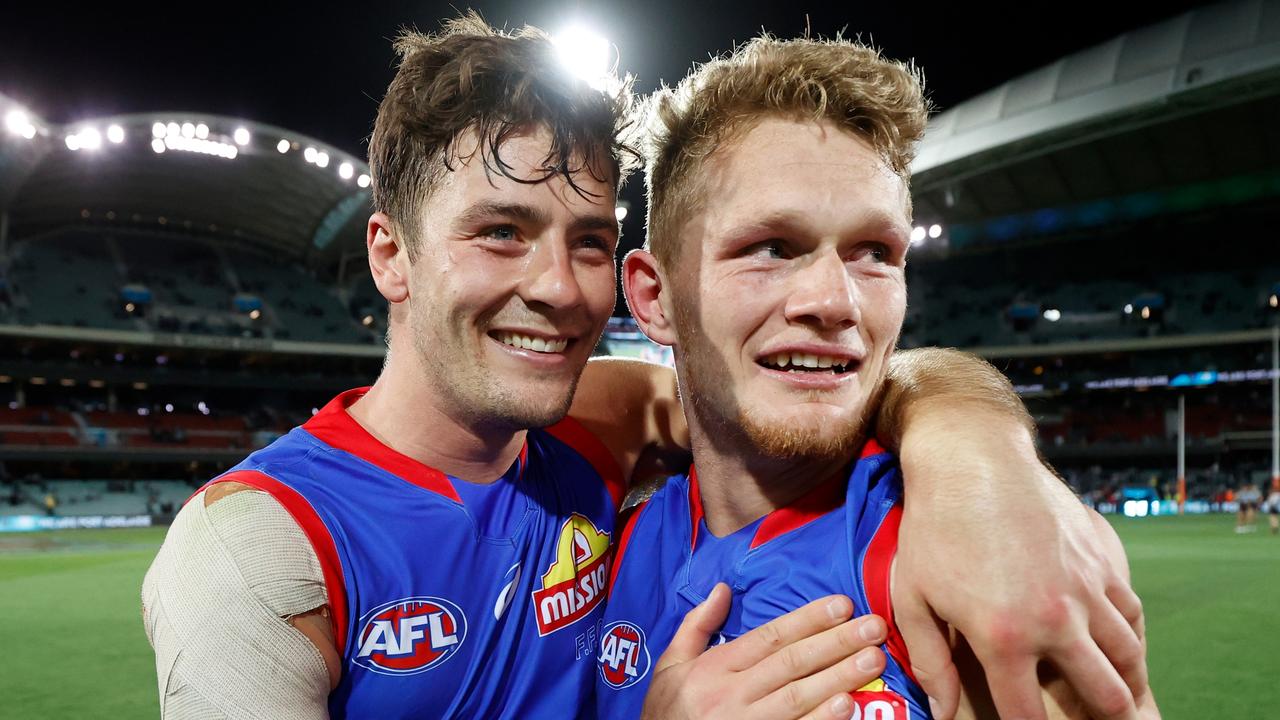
73, 645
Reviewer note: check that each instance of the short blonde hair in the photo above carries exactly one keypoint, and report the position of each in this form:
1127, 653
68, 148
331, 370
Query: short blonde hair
840, 81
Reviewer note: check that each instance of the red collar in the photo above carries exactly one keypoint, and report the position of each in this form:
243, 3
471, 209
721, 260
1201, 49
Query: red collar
335, 427
822, 499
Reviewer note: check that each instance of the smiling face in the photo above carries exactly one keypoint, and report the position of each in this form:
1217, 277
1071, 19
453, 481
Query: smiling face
789, 291
511, 287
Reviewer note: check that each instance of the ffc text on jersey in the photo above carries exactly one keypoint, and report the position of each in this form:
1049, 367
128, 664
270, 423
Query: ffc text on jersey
574, 584
410, 636
624, 657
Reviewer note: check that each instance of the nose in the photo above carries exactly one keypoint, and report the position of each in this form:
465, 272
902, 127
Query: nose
550, 277
824, 294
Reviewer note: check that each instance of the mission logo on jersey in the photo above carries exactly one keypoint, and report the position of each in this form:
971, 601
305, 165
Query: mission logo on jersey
410, 636
574, 584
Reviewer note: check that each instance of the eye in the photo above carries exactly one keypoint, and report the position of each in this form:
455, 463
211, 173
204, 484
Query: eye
501, 233
774, 249
877, 253
594, 242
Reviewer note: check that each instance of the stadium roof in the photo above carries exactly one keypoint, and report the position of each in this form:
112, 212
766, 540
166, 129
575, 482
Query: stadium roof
1190, 105
1176, 105
256, 183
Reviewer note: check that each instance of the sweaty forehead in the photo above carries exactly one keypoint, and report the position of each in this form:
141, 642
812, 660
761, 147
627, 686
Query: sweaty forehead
803, 164
524, 157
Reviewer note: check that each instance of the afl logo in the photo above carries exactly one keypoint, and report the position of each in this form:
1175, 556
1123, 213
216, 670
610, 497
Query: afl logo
624, 658
410, 636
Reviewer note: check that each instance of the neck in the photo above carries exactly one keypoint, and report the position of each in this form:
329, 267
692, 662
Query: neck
739, 485
405, 413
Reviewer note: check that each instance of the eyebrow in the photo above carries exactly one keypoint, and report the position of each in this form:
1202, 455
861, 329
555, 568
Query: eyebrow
534, 216
876, 220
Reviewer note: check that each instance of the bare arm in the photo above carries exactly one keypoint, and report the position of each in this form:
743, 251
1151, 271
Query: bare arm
235, 636
634, 409
995, 545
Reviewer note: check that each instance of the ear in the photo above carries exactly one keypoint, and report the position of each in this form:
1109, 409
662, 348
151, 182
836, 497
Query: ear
388, 258
647, 297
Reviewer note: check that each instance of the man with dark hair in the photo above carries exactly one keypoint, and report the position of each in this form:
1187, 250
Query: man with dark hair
420, 548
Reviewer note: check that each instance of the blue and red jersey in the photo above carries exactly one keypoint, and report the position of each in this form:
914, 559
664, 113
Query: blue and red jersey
451, 599
840, 538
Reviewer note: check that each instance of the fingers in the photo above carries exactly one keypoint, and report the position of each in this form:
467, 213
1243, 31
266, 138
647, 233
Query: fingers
817, 616
1015, 688
695, 630
809, 695
931, 657
1123, 647
1100, 687
814, 654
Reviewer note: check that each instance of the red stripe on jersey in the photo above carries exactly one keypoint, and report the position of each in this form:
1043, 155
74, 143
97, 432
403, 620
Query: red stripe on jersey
822, 499
871, 447
695, 507
317, 533
585, 443
628, 522
335, 427
877, 565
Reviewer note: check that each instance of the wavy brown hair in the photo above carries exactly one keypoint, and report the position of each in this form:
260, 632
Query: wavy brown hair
472, 77
840, 81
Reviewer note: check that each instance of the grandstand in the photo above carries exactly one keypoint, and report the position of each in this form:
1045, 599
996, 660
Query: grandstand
179, 288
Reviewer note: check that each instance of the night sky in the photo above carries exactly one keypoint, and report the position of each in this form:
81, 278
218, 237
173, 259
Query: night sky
320, 68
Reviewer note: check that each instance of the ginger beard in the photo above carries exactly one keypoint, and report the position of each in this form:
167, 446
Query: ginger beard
715, 403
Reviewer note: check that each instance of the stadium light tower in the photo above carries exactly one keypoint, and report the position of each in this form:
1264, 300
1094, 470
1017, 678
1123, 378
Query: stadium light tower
584, 53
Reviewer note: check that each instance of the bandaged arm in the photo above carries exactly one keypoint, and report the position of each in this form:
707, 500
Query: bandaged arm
216, 605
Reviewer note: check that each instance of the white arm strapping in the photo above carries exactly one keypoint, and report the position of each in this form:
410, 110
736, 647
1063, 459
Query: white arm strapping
214, 603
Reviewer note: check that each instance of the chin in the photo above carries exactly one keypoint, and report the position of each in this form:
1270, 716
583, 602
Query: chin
810, 437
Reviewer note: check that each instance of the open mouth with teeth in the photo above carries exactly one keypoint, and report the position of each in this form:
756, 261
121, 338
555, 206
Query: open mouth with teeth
803, 362
527, 342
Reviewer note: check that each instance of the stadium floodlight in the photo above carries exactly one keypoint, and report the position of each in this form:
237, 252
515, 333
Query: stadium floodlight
1146, 313
585, 54
309, 154
188, 130
157, 145
282, 147
620, 212
90, 139
157, 130
241, 136
254, 314
73, 142
202, 131
322, 159
363, 180
168, 407
1274, 301
1128, 309
172, 130
917, 235
115, 134
345, 171
935, 231
367, 321
15, 120
1053, 315
19, 123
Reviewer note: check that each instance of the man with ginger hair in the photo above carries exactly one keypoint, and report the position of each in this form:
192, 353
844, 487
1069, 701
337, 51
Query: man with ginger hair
779, 222
436, 545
